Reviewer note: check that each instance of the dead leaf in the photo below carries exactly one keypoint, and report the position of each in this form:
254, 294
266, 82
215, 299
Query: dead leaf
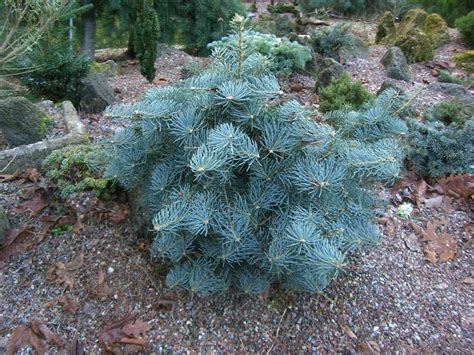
75, 348
32, 174
101, 290
369, 347
459, 186
43, 330
35, 205
68, 305
434, 202
60, 273
412, 243
15, 242
168, 304
420, 191
349, 332
47, 222
32, 335
24, 336
9, 177
430, 254
118, 212
468, 280
126, 331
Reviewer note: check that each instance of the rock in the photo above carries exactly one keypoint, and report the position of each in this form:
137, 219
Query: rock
102, 55
95, 93
466, 60
327, 71
456, 90
437, 30
4, 223
389, 84
108, 68
409, 35
385, 29
22, 122
395, 63
416, 45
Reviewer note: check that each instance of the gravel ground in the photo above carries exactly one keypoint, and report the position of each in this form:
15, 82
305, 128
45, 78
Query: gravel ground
390, 300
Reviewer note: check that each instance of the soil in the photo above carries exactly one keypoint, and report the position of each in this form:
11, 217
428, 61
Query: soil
390, 299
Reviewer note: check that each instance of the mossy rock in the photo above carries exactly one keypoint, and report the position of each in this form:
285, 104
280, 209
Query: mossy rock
328, 71
386, 28
414, 18
466, 60
416, 45
4, 224
437, 30
22, 122
108, 68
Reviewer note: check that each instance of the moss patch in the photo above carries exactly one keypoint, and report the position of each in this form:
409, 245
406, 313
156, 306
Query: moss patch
466, 60
437, 30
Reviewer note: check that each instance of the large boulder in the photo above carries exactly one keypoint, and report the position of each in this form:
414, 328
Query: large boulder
4, 224
437, 30
395, 63
390, 84
415, 44
385, 29
95, 93
22, 122
328, 70
456, 90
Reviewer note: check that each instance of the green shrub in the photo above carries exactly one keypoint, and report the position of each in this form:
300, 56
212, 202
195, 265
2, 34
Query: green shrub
287, 56
465, 25
245, 187
450, 10
77, 168
347, 7
437, 150
343, 93
281, 8
336, 42
57, 72
446, 77
449, 112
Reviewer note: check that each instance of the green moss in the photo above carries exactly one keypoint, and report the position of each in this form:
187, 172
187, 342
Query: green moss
466, 60
416, 45
343, 93
79, 168
46, 123
437, 30
385, 29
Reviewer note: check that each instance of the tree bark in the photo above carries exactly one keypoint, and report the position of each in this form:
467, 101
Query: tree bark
88, 32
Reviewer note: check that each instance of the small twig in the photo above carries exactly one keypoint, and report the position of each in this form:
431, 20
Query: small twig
11, 161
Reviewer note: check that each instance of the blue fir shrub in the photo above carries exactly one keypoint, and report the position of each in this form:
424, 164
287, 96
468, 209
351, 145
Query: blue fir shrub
286, 56
246, 189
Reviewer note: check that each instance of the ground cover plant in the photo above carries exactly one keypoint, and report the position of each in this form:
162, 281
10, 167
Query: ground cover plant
246, 189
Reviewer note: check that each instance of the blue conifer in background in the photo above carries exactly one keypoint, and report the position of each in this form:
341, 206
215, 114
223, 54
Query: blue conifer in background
245, 187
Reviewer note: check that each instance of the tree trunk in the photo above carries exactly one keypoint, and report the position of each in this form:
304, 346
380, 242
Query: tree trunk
88, 32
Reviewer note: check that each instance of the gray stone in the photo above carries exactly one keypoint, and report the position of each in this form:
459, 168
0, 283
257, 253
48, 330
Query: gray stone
4, 223
95, 93
19, 158
395, 64
327, 71
109, 68
22, 122
456, 90
390, 84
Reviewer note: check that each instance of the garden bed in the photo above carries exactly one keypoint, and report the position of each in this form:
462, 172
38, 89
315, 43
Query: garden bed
19, 158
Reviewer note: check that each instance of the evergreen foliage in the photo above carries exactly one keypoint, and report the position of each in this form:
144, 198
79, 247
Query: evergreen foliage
146, 32
449, 112
347, 7
438, 150
446, 77
246, 189
286, 56
57, 70
343, 93
336, 42
194, 24
465, 25
450, 10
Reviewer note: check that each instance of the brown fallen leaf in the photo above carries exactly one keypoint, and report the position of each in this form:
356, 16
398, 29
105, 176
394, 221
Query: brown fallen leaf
9, 177
35, 205
434, 202
412, 243
420, 191
430, 254
118, 212
47, 222
369, 347
348, 332
468, 280
32, 174
64, 273
459, 185
126, 331
16, 241
101, 290
68, 305
32, 335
